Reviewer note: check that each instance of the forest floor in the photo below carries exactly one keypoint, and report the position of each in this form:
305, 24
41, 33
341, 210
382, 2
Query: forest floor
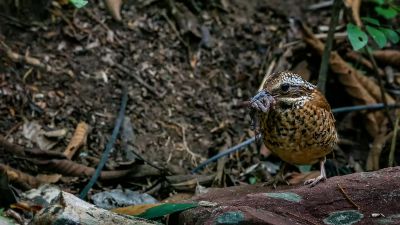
187, 75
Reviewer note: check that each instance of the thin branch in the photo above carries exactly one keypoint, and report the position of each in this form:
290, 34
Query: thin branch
347, 197
224, 153
382, 90
130, 72
109, 145
323, 71
393, 145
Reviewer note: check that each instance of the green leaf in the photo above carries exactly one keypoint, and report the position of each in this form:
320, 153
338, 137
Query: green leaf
391, 35
387, 13
78, 3
378, 36
371, 20
379, 2
358, 38
166, 209
5, 220
304, 168
252, 180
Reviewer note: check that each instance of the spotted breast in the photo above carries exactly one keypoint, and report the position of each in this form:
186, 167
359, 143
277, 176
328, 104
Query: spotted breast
295, 120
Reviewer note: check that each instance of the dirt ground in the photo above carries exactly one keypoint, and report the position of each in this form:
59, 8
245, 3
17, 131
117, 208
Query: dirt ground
187, 76
191, 109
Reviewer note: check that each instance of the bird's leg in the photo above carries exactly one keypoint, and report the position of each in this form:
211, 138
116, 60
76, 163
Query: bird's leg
321, 177
278, 178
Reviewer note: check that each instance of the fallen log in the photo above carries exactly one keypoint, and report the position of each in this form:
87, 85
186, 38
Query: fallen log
360, 198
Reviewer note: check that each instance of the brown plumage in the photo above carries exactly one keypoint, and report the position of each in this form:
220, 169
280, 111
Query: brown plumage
295, 121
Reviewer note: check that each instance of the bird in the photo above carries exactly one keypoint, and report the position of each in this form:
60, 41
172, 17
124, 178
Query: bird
294, 121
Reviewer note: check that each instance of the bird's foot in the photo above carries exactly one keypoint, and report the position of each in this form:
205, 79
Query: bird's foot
314, 181
262, 101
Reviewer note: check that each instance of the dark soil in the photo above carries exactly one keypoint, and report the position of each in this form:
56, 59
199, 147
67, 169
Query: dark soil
187, 78
194, 108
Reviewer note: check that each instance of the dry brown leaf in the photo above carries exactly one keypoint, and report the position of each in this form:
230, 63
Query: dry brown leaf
26, 207
365, 62
15, 149
78, 140
70, 168
63, 2
49, 178
114, 7
300, 178
373, 88
355, 10
376, 150
19, 177
391, 57
33, 131
302, 69
15, 57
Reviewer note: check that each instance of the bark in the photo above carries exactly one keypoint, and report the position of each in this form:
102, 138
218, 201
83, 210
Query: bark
360, 198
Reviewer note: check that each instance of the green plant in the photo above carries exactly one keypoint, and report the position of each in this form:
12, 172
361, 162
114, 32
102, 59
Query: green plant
78, 3
358, 37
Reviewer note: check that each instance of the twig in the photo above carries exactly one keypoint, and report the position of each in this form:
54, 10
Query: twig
376, 71
364, 107
269, 71
109, 145
301, 218
173, 27
14, 128
375, 151
320, 5
15, 57
365, 62
224, 153
337, 35
323, 71
393, 145
93, 17
251, 140
178, 35
219, 177
347, 197
28, 152
148, 162
193, 155
138, 79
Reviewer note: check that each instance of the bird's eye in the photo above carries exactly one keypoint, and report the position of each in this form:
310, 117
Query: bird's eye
285, 87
